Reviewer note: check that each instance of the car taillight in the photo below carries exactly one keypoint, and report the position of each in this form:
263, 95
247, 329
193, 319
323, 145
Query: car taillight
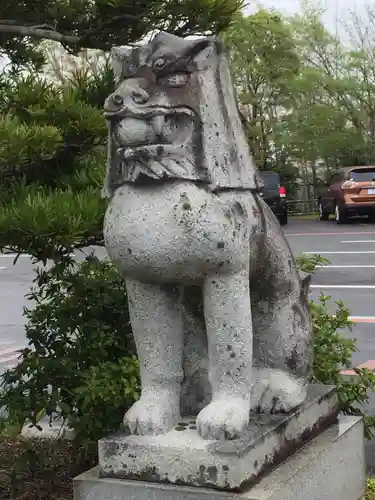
348, 184
282, 191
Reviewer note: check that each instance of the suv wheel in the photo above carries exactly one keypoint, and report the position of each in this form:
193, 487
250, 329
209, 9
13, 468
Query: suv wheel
322, 215
283, 219
340, 215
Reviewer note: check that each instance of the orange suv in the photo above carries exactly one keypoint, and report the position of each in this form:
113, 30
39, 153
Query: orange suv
349, 192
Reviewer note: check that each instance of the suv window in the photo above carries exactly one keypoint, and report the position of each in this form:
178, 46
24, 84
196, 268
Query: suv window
365, 175
271, 180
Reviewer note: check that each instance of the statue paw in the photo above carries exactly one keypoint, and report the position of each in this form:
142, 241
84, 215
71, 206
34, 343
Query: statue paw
224, 418
152, 416
283, 393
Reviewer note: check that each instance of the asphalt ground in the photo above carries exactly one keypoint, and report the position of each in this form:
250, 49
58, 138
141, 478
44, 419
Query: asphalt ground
349, 276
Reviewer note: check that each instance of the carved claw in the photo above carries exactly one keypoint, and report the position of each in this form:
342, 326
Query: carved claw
152, 416
278, 392
225, 418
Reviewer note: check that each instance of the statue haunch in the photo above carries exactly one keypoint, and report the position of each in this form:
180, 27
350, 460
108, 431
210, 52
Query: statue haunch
218, 309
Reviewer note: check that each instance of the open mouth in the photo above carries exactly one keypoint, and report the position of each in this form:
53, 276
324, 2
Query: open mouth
175, 127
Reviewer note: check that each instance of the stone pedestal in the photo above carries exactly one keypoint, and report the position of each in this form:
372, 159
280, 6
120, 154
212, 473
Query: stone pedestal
329, 467
182, 457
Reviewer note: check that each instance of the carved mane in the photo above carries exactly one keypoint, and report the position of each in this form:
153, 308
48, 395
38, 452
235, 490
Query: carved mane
226, 151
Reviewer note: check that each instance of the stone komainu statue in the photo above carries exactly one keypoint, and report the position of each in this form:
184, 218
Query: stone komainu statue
218, 309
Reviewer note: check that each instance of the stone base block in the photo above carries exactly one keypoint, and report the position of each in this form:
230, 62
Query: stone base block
329, 467
182, 457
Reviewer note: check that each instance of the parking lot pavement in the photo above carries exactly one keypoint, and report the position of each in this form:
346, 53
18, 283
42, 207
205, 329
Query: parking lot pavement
15, 283
350, 274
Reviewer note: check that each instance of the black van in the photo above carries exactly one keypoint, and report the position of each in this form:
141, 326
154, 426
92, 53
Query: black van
274, 194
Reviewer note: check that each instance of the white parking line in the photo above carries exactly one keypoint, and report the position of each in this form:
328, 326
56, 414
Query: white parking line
11, 350
2, 267
348, 266
342, 252
348, 287
357, 241
9, 354
362, 319
22, 255
351, 233
13, 255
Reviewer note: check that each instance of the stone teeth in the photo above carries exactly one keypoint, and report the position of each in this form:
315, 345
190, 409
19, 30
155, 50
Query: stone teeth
158, 124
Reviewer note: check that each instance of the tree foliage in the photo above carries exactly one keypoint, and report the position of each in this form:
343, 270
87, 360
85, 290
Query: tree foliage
335, 91
307, 95
100, 24
264, 59
52, 161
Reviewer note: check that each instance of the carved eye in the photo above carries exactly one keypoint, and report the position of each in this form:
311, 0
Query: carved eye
176, 80
159, 63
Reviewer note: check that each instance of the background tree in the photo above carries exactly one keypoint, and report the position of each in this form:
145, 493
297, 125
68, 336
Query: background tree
307, 95
264, 59
333, 114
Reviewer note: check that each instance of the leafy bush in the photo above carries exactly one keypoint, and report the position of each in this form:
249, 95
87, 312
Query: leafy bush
81, 366
309, 263
370, 493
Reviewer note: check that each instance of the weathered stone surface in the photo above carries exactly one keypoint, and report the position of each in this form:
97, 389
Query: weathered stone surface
330, 467
212, 284
182, 457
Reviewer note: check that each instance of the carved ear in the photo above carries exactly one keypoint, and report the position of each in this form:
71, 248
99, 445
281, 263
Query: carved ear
197, 46
118, 56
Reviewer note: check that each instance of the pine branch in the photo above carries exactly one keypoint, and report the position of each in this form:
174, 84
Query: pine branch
48, 34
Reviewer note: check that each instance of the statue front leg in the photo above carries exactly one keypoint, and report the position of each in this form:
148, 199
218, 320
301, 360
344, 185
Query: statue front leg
156, 318
230, 345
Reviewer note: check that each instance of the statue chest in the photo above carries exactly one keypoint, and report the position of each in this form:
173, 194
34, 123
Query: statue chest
178, 229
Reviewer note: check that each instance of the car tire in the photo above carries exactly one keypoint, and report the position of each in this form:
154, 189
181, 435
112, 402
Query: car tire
340, 215
322, 215
283, 219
